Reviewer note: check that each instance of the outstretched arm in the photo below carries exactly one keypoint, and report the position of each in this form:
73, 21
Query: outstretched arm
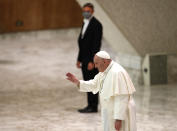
73, 79
84, 86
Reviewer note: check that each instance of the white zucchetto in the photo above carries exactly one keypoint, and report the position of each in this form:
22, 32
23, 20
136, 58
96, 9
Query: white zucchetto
103, 54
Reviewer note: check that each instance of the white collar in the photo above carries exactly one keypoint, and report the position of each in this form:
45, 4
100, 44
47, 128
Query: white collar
87, 20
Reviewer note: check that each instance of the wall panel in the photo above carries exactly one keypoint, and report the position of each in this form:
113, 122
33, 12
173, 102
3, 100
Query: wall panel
24, 15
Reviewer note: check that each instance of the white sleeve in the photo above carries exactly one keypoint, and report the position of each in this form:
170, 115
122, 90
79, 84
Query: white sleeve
120, 107
89, 86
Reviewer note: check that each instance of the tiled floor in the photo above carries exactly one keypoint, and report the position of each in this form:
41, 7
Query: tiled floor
35, 96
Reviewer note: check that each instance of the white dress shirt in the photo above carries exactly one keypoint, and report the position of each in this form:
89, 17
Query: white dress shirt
86, 23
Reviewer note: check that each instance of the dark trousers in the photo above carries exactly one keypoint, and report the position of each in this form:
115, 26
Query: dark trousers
92, 99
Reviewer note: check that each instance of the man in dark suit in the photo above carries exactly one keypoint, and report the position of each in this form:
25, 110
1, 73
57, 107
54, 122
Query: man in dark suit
89, 44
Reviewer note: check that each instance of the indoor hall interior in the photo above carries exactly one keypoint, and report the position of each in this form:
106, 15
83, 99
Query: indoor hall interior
38, 46
35, 95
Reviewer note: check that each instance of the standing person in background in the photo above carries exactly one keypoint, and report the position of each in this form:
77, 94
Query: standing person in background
89, 43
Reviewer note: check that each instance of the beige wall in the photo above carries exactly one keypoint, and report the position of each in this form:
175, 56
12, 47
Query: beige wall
149, 25
172, 68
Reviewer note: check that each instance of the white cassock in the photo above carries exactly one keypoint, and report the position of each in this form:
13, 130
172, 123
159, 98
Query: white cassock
115, 90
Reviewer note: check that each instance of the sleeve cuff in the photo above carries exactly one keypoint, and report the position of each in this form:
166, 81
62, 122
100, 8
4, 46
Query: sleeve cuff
119, 117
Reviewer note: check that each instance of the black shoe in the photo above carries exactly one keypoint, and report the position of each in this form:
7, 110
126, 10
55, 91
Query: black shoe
87, 110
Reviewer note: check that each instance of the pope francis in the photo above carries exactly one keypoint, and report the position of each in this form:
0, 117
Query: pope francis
116, 93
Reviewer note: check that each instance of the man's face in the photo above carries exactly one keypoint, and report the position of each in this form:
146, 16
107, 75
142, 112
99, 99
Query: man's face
87, 12
87, 9
99, 64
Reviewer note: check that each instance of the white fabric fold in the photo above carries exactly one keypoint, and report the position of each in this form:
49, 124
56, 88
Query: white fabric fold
115, 88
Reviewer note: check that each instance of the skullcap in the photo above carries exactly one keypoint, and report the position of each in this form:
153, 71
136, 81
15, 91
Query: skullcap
103, 54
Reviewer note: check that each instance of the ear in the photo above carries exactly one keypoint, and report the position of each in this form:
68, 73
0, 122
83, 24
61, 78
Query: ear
104, 61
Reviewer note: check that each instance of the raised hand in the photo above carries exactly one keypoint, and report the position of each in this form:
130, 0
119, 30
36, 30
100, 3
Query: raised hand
72, 78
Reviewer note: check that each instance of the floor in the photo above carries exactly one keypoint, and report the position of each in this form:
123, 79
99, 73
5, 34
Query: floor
35, 95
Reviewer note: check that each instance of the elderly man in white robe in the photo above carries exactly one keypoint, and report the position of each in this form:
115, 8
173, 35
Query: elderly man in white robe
116, 93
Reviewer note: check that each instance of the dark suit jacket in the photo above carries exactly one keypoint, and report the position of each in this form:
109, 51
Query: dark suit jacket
91, 41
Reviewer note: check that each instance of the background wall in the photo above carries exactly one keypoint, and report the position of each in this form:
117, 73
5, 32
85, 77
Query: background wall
23, 15
149, 25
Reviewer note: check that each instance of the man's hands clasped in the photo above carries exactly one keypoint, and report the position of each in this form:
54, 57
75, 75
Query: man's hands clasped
90, 65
